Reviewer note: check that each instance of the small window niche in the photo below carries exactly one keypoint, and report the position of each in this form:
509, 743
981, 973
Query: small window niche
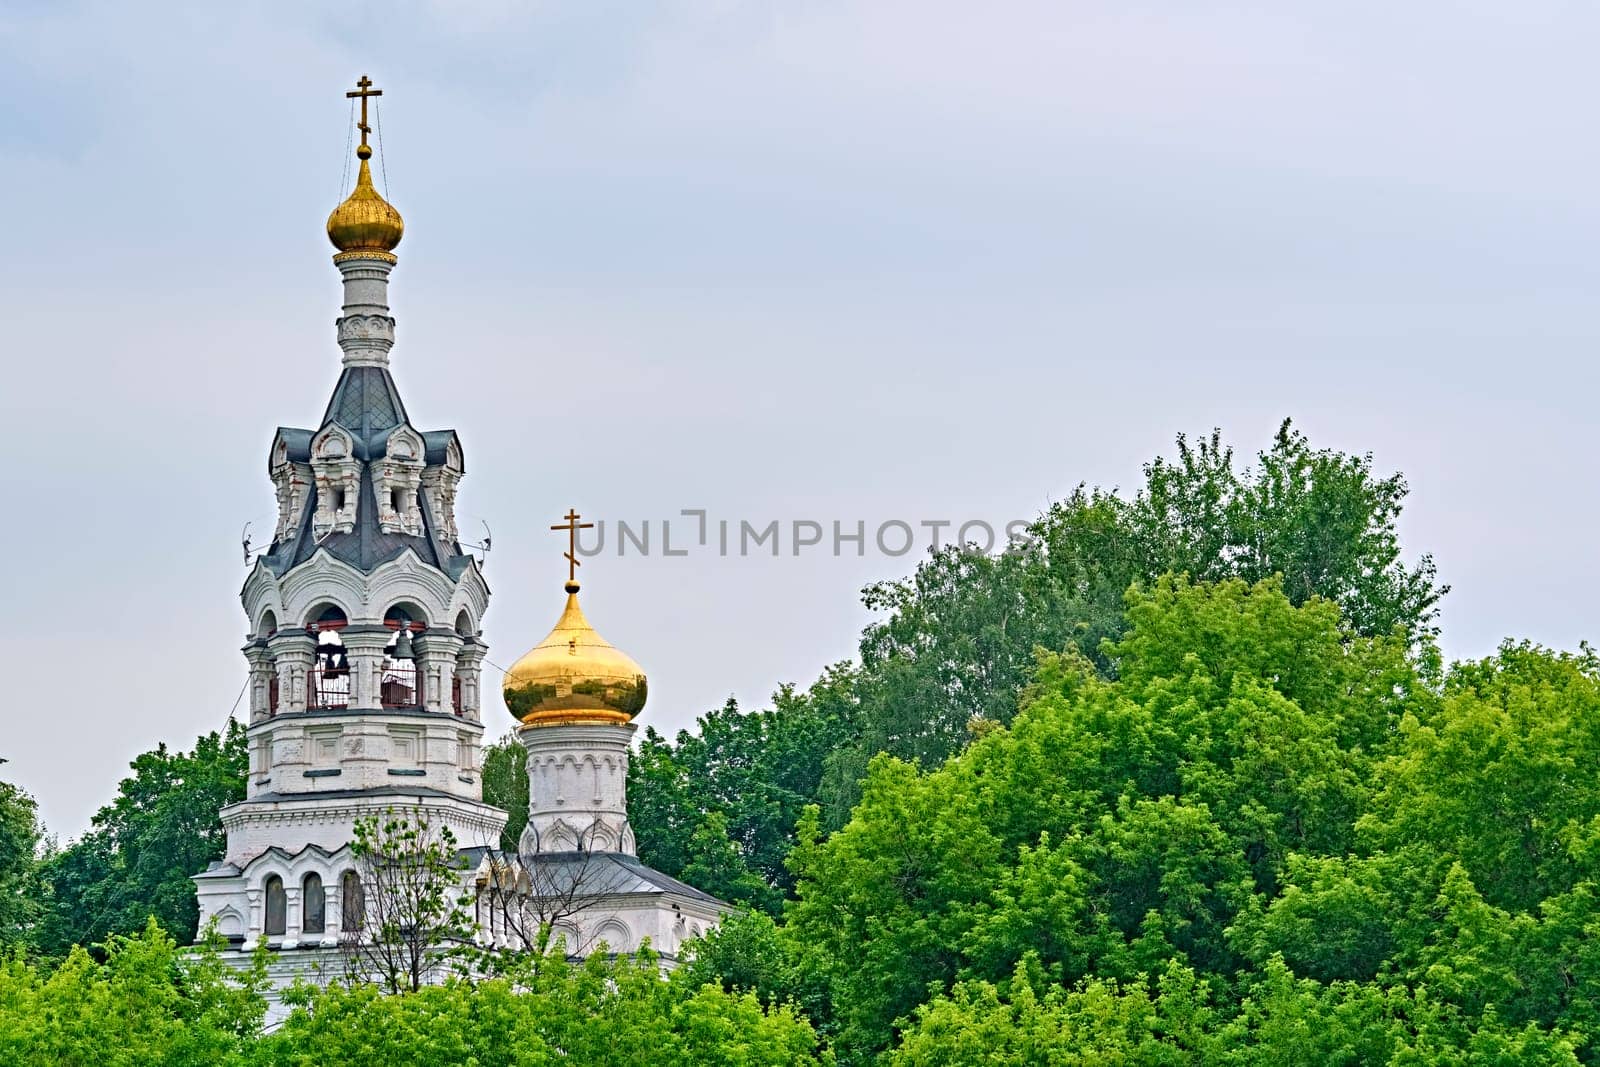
313, 905
277, 907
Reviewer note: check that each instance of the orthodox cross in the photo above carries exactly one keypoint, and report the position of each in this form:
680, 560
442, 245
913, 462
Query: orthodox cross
364, 89
572, 526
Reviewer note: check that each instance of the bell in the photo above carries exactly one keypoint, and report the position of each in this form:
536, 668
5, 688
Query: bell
402, 647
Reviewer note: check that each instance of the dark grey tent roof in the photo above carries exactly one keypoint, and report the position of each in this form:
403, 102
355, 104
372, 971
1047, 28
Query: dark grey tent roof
367, 404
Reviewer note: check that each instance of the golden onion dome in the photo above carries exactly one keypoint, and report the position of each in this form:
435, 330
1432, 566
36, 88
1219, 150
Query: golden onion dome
574, 675
366, 223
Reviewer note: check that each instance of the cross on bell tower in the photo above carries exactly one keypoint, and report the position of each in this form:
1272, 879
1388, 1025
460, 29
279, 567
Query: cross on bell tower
364, 90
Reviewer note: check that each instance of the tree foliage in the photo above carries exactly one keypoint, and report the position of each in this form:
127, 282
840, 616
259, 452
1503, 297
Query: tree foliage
148, 1002
717, 807
136, 860
505, 785
1257, 838
1118, 824
152, 1002
413, 907
957, 641
20, 890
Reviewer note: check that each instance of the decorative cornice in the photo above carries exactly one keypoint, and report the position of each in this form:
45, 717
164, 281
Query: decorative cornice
368, 715
476, 814
382, 257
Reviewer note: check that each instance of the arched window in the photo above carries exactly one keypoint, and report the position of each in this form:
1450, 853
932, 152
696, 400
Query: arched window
330, 671
277, 907
353, 902
399, 685
313, 905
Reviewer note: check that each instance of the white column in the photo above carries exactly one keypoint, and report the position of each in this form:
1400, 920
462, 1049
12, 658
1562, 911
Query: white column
364, 644
260, 660
469, 665
291, 913
436, 659
292, 654
332, 908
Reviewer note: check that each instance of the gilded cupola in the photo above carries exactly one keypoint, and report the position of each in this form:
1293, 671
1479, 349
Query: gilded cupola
574, 674
365, 225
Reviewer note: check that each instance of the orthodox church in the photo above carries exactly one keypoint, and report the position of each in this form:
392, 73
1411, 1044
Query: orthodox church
366, 655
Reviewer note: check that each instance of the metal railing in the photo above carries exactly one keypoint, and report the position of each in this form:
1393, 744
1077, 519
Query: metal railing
328, 687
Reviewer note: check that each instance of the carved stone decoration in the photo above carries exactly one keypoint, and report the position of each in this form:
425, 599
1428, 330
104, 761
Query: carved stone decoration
395, 481
338, 479
290, 483
366, 328
439, 485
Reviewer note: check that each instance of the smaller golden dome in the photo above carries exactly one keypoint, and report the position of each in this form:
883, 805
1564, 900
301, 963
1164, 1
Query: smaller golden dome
366, 223
574, 675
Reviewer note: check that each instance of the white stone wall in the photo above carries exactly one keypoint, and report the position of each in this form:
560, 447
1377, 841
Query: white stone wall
317, 751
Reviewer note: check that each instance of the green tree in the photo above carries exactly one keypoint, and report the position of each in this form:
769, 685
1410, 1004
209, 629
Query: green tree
1095, 1022
599, 1012
148, 1002
505, 785
1499, 777
1475, 870
414, 917
20, 887
957, 642
151, 1002
137, 859
1116, 825
718, 807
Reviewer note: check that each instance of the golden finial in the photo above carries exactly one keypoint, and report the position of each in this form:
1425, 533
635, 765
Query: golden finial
365, 225
572, 526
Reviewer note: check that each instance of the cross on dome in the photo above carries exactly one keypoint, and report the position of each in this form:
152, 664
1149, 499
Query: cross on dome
364, 89
572, 526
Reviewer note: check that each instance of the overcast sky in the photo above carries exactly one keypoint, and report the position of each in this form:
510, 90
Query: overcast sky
795, 261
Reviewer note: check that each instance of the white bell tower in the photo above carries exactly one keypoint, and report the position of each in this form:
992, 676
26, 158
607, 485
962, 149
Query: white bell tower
364, 649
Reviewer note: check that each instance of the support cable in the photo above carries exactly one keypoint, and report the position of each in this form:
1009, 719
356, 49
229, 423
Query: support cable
349, 136
383, 165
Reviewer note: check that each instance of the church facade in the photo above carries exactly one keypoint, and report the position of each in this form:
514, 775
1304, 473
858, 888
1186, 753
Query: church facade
366, 659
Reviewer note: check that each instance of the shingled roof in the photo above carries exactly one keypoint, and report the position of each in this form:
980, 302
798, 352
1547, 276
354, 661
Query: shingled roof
366, 404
